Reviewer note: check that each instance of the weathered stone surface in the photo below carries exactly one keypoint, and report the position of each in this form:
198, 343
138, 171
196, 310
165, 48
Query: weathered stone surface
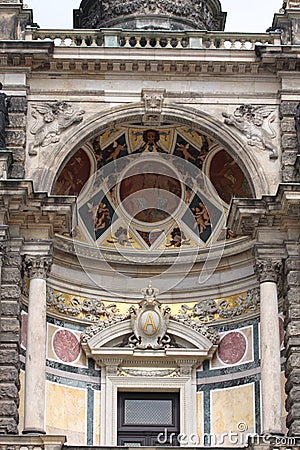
289, 142
10, 292
17, 171
8, 391
288, 108
12, 259
288, 174
288, 125
293, 328
9, 356
11, 276
15, 138
18, 104
8, 425
8, 373
9, 325
17, 120
9, 309
8, 26
18, 155
8, 408
289, 158
293, 313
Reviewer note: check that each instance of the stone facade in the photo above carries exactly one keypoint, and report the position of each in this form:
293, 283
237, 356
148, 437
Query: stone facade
214, 116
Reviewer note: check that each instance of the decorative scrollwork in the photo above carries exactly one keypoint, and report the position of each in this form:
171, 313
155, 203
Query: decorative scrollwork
211, 310
93, 309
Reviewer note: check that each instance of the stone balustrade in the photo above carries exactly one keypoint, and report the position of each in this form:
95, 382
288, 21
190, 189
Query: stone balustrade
41, 442
151, 39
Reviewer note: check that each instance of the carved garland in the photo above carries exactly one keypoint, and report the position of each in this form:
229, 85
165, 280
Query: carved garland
209, 310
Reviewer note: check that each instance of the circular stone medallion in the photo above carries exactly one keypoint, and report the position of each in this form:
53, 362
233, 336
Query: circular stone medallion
66, 346
232, 348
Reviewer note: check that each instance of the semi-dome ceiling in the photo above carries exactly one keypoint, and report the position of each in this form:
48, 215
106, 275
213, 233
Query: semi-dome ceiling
151, 14
155, 189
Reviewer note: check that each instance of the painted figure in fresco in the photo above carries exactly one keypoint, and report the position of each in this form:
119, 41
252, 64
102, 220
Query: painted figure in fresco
74, 175
98, 152
116, 150
150, 138
230, 179
203, 153
202, 217
102, 217
4, 104
121, 237
184, 152
178, 238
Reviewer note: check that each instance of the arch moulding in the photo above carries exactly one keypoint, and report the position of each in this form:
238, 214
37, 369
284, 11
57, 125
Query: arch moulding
44, 179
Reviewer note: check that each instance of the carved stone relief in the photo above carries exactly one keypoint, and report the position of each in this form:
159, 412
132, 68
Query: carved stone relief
37, 266
255, 123
197, 13
268, 270
51, 119
153, 103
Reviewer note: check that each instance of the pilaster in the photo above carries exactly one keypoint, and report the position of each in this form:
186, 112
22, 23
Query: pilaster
10, 336
289, 142
292, 337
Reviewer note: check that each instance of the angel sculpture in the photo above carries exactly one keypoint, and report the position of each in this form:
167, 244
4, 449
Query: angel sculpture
250, 120
50, 121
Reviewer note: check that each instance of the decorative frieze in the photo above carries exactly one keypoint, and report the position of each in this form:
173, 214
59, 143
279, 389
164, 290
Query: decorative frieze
212, 310
37, 266
268, 270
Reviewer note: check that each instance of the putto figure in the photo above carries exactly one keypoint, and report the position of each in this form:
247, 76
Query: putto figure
4, 121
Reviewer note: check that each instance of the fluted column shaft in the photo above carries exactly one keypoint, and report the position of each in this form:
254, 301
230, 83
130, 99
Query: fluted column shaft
37, 268
268, 271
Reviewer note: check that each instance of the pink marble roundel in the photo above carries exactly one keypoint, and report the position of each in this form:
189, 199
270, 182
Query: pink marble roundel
232, 347
66, 346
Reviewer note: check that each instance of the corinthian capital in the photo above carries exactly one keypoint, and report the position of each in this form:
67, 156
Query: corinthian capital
268, 270
37, 266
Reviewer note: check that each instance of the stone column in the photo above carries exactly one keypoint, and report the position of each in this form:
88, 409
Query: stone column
268, 271
292, 337
37, 267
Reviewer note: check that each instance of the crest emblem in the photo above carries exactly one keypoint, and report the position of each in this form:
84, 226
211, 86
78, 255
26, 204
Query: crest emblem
150, 321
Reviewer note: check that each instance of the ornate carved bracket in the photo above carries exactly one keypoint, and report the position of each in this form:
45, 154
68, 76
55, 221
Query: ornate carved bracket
268, 270
153, 103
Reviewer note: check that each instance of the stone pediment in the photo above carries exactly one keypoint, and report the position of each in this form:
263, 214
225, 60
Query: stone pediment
149, 332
